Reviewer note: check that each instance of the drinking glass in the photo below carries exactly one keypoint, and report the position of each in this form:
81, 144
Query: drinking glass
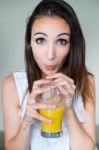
54, 129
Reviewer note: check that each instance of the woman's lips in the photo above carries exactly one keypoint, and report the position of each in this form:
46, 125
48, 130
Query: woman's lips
50, 67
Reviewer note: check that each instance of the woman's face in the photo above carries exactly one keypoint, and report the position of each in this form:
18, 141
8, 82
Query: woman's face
50, 42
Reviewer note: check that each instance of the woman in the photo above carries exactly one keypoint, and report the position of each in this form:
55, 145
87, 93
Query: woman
54, 50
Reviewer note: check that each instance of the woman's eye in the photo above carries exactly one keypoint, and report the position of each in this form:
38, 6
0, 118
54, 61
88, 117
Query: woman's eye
40, 41
63, 42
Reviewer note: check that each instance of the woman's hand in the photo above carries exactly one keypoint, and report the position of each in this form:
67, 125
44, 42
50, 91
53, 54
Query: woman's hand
34, 104
66, 87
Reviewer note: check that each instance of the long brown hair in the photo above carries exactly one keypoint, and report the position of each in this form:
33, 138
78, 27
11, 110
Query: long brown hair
75, 63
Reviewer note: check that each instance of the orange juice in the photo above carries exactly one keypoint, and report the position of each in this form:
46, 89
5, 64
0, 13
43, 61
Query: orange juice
56, 115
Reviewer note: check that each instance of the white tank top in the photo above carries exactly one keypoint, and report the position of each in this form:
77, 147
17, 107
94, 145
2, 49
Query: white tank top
37, 141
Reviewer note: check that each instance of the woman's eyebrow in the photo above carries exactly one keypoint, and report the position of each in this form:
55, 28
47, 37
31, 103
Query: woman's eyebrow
40, 33
67, 34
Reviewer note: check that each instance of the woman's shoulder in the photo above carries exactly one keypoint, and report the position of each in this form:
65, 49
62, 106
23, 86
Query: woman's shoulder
9, 90
14, 85
9, 81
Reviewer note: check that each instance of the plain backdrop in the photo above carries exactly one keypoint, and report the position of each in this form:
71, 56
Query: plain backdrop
13, 17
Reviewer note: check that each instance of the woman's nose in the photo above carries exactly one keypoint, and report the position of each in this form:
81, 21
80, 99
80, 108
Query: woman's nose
51, 52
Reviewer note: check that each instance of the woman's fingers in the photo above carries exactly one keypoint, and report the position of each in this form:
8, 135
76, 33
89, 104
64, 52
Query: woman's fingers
39, 83
39, 90
33, 113
34, 104
38, 106
60, 75
39, 87
69, 88
66, 85
37, 116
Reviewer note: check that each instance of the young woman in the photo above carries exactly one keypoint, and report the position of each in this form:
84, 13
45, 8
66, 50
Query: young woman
54, 50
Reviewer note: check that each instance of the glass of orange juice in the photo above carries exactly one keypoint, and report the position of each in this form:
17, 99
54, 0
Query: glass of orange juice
54, 129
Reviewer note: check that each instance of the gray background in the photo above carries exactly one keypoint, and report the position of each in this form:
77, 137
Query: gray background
13, 16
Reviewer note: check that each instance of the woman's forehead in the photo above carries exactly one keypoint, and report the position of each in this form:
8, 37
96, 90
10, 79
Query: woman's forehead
49, 24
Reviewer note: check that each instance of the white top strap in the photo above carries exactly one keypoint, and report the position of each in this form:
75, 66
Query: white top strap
78, 107
21, 83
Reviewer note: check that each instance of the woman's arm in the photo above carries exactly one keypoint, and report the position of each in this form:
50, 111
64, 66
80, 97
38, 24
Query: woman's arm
82, 136
17, 134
